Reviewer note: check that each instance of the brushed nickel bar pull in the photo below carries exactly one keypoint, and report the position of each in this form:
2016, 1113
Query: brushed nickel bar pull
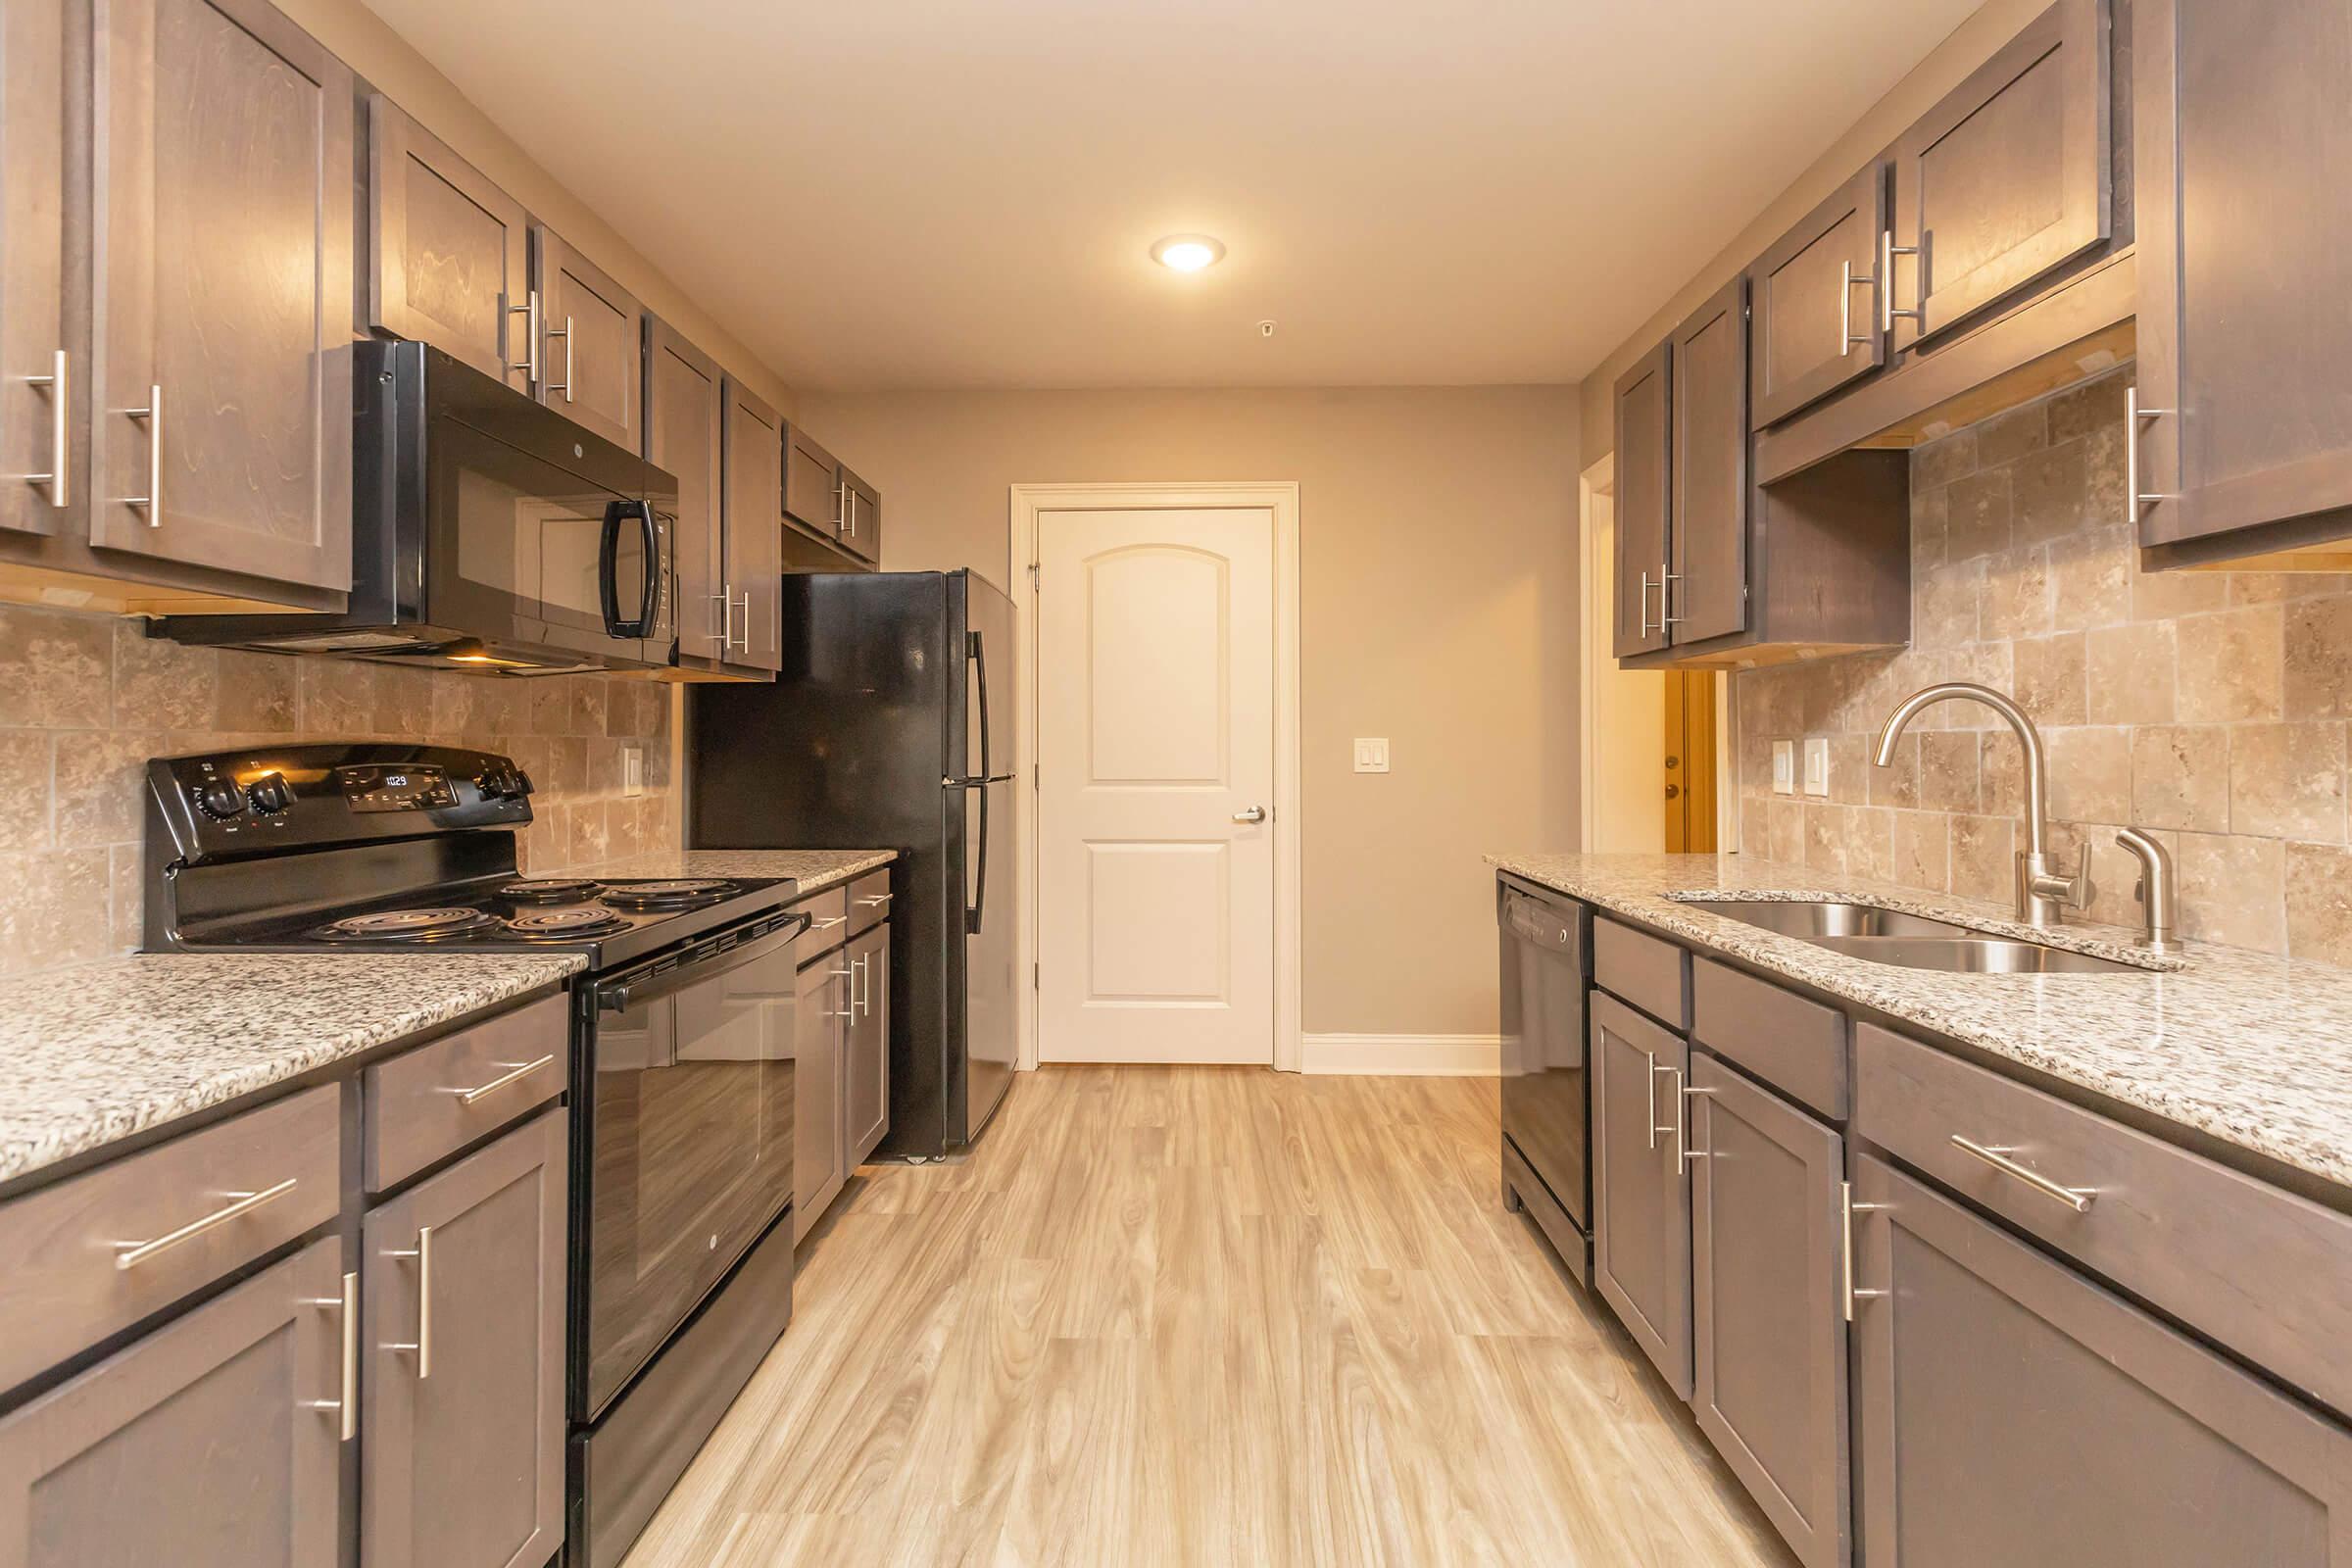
828, 922
530, 351
467, 1097
1655, 1129
744, 599
1666, 581
2139, 500
874, 900
152, 416
1846, 1208
862, 989
1684, 1152
725, 606
55, 382
1889, 250
2076, 1198
346, 1404
134, 1253
565, 334
1846, 341
423, 1252
1646, 626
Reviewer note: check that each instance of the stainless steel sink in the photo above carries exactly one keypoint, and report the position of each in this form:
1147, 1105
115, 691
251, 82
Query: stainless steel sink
1906, 941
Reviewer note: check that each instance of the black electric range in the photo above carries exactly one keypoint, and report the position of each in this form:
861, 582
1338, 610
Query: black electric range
683, 1043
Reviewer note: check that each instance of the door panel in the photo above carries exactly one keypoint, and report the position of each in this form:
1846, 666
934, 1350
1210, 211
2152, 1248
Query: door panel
752, 550
34, 329
1156, 719
812, 484
2013, 1412
1643, 490
591, 330
1810, 339
199, 1445
1707, 594
2236, 249
449, 252
226, 203
1768, 1322
2009, 176
464, 1457
1641, 1194
683, 416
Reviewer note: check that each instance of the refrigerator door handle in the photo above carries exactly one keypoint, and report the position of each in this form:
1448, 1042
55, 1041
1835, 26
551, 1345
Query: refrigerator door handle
976, 781
978, 654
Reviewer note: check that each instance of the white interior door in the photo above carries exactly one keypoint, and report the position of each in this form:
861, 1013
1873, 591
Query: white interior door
1155, 746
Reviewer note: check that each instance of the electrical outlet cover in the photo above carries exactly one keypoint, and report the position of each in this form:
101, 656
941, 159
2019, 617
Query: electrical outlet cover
1783, 767
1817, 765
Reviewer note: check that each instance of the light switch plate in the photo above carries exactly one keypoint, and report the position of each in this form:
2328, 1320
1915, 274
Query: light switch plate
1783, 767
1371, 754
632, 770
1817, 765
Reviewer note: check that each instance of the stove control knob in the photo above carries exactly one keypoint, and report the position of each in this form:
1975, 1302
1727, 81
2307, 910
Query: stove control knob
270, 793
219, 799
517, 781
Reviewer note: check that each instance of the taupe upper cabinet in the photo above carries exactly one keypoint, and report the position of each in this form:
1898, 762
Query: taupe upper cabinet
2007, 177
2243, 152
1705, 595
591, 333
812, 484
39, 363
1642, 489
751, 542
1818, 322
449, 253
220, 387
1640, 1189
683, 414
861, 518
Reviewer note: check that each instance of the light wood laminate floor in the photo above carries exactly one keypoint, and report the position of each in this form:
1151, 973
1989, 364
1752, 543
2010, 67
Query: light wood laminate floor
1203, 1315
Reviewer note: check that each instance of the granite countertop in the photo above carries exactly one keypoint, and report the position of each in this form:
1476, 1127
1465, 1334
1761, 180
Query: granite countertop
815, 870
2252, 1050
96, 1054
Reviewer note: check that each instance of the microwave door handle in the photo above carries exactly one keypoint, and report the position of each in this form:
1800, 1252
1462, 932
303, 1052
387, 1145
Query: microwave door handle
654, 564
628, 991
607, 568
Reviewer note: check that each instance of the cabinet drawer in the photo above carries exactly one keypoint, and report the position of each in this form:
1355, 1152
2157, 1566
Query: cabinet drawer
1797, 1047
439, 1097
102, 1251
828, 923
869, 901
1652, 975
2258, 1269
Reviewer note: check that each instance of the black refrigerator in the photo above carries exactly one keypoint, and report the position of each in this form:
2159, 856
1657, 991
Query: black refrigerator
889, 726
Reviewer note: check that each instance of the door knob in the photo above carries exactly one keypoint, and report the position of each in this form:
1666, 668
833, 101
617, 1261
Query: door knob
1255, 813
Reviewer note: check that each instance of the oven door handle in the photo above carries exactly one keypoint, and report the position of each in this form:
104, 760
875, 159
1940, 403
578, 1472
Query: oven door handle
633, 987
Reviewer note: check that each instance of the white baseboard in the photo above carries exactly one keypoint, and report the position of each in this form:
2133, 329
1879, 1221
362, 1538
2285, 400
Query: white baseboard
1403, 1055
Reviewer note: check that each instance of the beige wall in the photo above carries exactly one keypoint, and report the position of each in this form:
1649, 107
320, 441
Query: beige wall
1438, 586
1968, 46
383, 59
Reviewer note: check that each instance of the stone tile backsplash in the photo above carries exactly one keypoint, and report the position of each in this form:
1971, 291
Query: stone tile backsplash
2209, 707
85, 699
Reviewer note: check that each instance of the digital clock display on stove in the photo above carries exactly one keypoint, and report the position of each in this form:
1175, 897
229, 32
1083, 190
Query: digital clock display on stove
396, 789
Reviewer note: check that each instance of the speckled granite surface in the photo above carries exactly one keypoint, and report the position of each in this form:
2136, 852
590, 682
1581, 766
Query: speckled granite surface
2252, 1050
96, 1054
815, 870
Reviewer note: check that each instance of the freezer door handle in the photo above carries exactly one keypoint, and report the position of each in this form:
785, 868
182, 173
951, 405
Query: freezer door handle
978, 654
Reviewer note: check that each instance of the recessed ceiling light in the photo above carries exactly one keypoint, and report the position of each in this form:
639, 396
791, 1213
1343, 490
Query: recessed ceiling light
1188, 253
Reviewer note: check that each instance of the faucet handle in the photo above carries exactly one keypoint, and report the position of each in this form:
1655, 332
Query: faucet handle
2080, 889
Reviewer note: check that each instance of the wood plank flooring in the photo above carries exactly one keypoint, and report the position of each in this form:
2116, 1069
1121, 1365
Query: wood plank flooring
1203, 1315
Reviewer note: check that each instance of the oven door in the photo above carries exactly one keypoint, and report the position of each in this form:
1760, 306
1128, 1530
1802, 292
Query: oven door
521, 550
683, 1142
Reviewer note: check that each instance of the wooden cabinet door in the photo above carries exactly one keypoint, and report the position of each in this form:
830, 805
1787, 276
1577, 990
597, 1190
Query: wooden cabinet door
449, 258
220, 387
1706, 592
754, 552
2243, 153
591, 337
684, 411
813, 496
1640, 1189
462, 1426
213, 1442
2008, 176
1818, 321
2013, 1412
818, 1169
41, 361
865, 1065
861, 518
1768, 1320
1643, 489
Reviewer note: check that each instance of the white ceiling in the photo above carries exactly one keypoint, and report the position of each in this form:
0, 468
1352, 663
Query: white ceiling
925, 193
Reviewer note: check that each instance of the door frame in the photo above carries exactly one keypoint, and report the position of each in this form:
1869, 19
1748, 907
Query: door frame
1029, 502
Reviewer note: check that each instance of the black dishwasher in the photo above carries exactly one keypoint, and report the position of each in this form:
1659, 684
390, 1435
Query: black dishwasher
1545, 1116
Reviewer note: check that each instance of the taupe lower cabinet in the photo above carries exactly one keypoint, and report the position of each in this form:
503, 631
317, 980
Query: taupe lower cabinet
865, 1048
591, 336
2013, 1412
1641, 1183
1768, 1328
2007, 177
220, 375
1644, 487
463, 1435
449, 253
1817, 324
2244, 150
818, 1171
214, 1442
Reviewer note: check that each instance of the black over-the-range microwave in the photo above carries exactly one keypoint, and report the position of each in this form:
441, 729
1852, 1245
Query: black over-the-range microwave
489, 534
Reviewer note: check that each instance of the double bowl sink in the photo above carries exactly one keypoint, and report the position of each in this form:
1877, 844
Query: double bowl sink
1906, 941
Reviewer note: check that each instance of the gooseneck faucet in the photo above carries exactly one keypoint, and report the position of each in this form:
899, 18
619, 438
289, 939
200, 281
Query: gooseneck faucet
2040, 891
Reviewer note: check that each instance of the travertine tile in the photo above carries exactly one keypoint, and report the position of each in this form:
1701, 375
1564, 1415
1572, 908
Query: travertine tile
2233, 890
1870, 841
2164, 594
257, 692
1943, 606
338, 698
2007, 437
2286, 781
55, 669
1923, 850
101, 785
1977, 515
2050, 494
589, 841
2090, 408
2051, 679
2180, 777
24, 784
1755, 825
1897, 783
1983, 856
1950, 775
1940, 462
588, 705
2016, 601
2091, 775
161, 684
2232, 665
2318, 902
1788, 831
566, 767
1827, 834
551, 706
2090, 577
2001, 770
1930, 514
2317, 656
54, 907
2131, 675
